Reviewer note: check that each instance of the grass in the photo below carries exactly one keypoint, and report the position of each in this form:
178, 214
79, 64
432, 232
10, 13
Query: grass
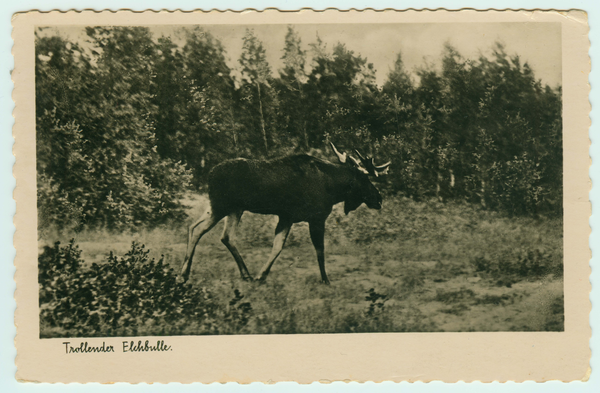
411, 267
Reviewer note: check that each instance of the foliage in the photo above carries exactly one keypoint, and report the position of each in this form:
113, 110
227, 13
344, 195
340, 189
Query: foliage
194, 95
519, 264
450, 297
127, 296
377, 303
133, 296
238, 313
291, 87
97, 161
126, 121
417, 257
258, 99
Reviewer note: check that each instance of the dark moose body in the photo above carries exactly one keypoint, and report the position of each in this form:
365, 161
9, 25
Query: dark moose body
299, 187
295, 188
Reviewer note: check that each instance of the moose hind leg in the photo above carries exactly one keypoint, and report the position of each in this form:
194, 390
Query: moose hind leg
228, 238
206, 222
281, 233
317, 235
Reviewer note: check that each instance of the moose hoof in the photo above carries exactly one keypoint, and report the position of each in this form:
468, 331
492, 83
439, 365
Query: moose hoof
247, 278
325, 282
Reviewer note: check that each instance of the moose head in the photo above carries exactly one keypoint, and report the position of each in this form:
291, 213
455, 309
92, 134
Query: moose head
361, 188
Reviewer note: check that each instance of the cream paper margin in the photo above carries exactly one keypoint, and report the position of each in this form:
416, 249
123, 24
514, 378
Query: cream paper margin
449, 357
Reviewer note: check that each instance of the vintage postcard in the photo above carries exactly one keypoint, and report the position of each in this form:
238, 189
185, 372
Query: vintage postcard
302, 196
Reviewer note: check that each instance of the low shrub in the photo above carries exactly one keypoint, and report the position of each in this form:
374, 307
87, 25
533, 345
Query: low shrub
556, 315
517, 265
372, 314
134, 295
451, 297
126, 296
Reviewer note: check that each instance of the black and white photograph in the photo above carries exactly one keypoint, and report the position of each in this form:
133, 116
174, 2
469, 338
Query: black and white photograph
299, 179
302, 196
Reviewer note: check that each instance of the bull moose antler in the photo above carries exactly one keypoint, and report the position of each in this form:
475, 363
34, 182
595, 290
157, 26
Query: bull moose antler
340, 156
365, 165
369, 165
343, 158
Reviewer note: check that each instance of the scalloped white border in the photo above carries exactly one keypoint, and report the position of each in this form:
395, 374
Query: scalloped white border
25, 218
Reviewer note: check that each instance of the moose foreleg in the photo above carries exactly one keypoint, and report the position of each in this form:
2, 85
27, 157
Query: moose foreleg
317, 235
281, 233
228, 237
203, 225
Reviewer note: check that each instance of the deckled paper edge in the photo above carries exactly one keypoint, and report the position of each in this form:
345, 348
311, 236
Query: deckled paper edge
20, 93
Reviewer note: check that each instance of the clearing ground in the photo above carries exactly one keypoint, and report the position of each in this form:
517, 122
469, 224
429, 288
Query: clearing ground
413, 266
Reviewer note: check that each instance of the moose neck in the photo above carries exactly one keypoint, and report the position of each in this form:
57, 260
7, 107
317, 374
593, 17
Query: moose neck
341, 183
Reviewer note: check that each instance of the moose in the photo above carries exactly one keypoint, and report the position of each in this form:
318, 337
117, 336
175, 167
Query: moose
295, 188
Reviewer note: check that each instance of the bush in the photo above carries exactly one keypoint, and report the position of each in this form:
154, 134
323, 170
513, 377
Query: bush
518, 265
97, 157
516, 186
127, 296
451, 297
134, 295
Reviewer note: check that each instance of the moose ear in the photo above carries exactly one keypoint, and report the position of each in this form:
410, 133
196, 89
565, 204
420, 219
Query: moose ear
358, 165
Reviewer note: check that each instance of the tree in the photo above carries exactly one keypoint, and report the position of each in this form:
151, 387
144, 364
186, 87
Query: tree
120, 117
341, 96
195, 100
102, 162
396, 99
292, 80
61, 76
256, 73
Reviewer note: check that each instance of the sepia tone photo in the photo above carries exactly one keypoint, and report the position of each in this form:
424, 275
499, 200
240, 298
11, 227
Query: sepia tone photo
297, 180
367, 181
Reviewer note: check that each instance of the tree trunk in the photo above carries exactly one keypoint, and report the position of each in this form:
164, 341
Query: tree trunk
262, 120
234, 131
438, 187
483, 193
304, 133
